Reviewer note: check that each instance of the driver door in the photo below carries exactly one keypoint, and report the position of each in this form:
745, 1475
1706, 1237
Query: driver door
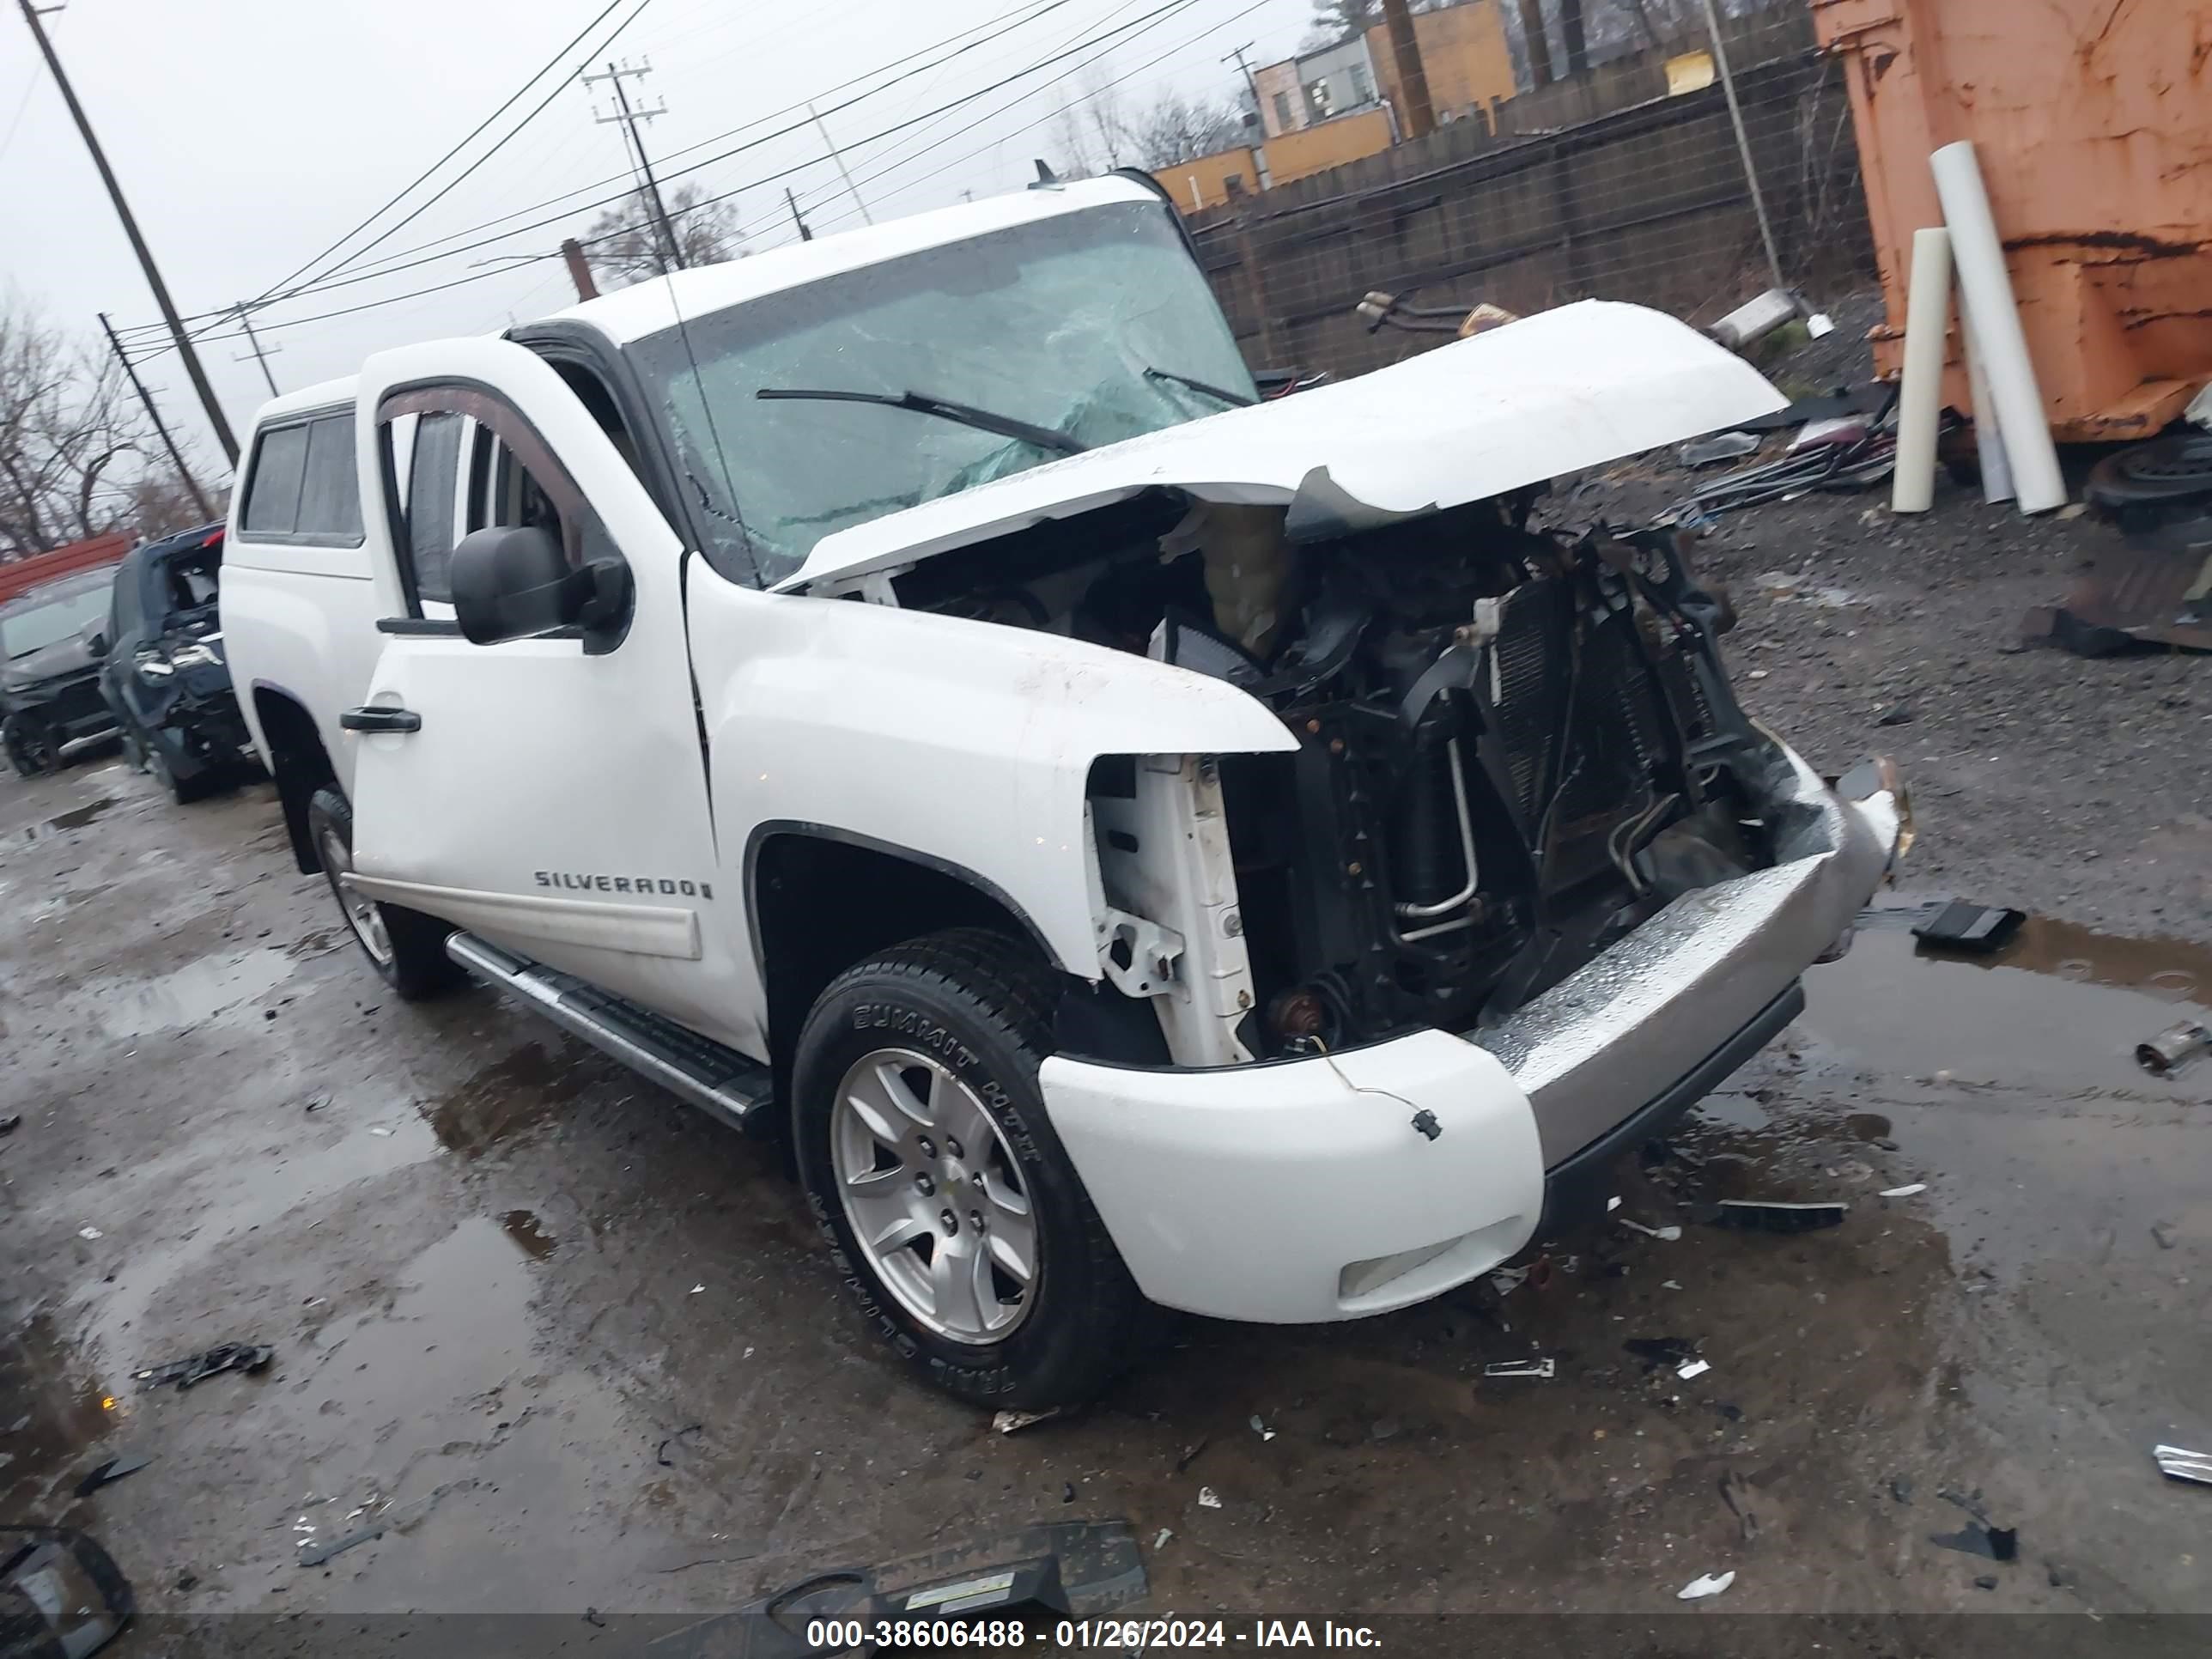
550, 793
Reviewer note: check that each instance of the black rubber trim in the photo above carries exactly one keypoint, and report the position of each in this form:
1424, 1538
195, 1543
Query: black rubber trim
1577, 1188
432, 628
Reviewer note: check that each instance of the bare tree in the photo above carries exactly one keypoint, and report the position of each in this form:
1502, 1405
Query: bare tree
75, 458
624, 247
1099, 131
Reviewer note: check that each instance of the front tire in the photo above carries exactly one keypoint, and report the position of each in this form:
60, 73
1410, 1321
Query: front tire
30, 746
956, 1217
406, 948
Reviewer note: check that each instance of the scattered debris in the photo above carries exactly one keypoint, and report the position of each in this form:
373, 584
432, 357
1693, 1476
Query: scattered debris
1979, 928
1160, 1539
1613, 1204
1707, 1585
1721, 446
1689, 1368
1897, 714
1012, 1422
696, 1289
1666, 1235
108, 1473
660, 1452
1262, 1429
1506, 1280
2152, 592
247, 1356
1735, 1493
1764, 1216
1900, 1488
1670, 1283
2175, 1047
1076, 1569
1991, 1543
1986, 1581
1190, 1453
61, 1595
1657, 1351
1208, 1498
1067, 1492
312, 1554
1905, 1191
10, 1123
2164, 1232
1543, 1368
2177, 1464
89, 1232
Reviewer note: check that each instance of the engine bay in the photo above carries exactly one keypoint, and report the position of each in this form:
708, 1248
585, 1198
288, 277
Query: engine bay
1515, 744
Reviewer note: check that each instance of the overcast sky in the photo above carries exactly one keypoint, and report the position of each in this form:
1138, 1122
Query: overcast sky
248, 134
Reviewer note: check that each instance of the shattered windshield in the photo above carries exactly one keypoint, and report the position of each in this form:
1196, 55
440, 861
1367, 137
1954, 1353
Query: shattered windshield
1053, 323
45, 619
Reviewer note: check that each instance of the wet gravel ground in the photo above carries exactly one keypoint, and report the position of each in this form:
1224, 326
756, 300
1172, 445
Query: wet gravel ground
579, 1347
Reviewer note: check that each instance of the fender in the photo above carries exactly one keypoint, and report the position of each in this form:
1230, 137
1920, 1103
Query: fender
968, 744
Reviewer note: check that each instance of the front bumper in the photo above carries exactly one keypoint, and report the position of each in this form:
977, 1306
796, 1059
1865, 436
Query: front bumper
1309, 1190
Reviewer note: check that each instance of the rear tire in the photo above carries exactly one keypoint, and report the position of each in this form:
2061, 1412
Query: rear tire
406, 948
956, 1217
183, 791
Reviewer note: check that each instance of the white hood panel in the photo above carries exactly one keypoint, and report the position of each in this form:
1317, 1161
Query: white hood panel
1565, 389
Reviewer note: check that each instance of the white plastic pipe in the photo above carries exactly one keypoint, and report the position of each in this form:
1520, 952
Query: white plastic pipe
1988, 437
2013, 390
1920, 400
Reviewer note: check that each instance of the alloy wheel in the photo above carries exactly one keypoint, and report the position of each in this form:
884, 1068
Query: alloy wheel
361, 913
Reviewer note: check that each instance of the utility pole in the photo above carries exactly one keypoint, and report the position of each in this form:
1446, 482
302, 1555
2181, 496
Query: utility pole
31, 15
1537, 41
1236, 56
1742, 142
260, 356
836, 155
580, 268
176, 456
792, 202
670, 253
1419, 117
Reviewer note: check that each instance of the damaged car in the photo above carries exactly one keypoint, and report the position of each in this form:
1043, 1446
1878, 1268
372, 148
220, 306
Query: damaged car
52, 640
1132, 844
165, 676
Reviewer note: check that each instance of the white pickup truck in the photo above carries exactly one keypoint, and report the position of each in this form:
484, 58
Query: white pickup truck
1136, 843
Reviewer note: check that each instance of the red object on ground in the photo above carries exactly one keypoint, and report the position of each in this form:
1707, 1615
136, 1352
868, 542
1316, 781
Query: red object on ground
18, 575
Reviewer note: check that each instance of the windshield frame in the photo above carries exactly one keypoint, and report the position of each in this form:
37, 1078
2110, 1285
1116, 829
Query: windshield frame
49, 595
646, 412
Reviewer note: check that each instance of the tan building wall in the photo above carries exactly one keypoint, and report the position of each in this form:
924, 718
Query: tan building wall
1281, 95
1204, 182
1463, 53
1326, 144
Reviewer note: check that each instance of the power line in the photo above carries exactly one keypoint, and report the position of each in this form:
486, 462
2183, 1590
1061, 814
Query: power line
513, 99
1137, 25
1171, 8
400, 260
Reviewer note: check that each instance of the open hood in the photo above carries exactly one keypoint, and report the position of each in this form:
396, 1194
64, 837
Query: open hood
1549, 394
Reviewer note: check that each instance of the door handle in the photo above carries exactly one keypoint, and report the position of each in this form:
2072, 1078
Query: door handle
380, 718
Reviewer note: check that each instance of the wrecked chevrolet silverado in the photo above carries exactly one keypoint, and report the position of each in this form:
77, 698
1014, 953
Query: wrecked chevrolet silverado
1133, 843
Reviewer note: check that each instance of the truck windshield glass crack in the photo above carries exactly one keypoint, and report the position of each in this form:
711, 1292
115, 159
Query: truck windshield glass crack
1052, 325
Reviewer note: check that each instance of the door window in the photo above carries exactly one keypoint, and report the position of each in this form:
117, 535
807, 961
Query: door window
433, 485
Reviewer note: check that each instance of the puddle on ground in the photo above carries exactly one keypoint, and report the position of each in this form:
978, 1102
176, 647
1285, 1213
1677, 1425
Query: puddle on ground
506, 1099
215, 989
2060, 1008
1868, 1126
76, 818
52, 1408
529, 1233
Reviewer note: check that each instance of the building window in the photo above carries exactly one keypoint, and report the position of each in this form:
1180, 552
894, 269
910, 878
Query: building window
1362, 89
1317, 95
1283, 122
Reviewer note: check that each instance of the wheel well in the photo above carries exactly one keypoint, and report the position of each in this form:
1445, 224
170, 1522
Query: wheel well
298, 763
819, 904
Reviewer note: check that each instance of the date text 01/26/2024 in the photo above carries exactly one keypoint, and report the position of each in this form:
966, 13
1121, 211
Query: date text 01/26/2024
1080, 1635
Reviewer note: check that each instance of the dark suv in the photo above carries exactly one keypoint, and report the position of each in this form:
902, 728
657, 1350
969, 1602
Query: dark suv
164, 675
51, 641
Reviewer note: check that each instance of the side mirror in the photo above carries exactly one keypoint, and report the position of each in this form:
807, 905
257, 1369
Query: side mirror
513, 582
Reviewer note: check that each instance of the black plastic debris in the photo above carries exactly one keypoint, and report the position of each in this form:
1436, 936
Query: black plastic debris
108, 1473
10, 1123
61, 1595
1763, 1216
1991, 1543
1900, 1488
1657, 1351
1078, 1570
247, 1356
1986, 1581
660, 1452
1979, 928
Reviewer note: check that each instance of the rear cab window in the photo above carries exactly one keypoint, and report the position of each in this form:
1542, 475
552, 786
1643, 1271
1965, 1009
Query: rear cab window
301, 487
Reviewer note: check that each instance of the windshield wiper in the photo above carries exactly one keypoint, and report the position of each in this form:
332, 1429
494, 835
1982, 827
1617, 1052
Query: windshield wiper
1006, 426
1234, 399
